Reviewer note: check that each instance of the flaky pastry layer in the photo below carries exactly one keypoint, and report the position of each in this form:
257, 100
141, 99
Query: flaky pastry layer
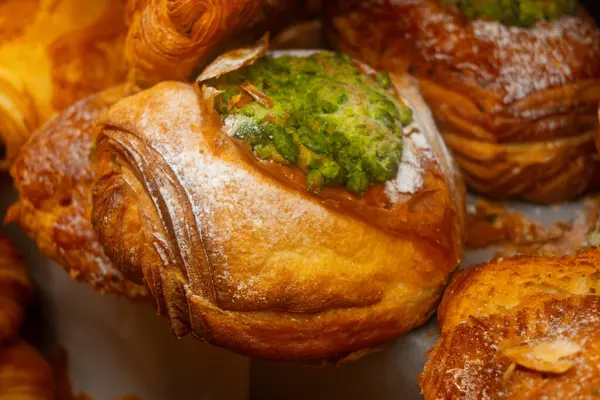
517, 106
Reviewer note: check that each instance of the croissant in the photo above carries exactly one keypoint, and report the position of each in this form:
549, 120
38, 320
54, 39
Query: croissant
52, 53
519, 328
24, 374
515, 97
173, 39
53, 175
15, 290
290, 236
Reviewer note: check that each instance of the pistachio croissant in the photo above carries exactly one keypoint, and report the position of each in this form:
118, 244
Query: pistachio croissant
52, 53
294, 206
513, 88
53, 175
519, 328
173, 39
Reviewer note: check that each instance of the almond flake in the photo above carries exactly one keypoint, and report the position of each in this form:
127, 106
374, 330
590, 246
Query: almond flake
552, 357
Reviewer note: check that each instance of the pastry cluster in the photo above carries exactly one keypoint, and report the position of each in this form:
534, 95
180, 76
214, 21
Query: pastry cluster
308, 204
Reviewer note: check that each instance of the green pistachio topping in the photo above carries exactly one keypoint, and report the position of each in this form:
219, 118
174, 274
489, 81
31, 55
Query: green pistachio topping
320, 113
524, 13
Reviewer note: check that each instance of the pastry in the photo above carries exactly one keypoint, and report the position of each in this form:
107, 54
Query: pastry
519, 328
53, 175
52, 53
513, 90
174, 39
292, 206
24, 374
15, 290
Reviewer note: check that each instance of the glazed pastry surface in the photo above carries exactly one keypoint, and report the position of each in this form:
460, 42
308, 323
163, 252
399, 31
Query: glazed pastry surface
517, 106
53, 53
54, 174
244, 258
519, 328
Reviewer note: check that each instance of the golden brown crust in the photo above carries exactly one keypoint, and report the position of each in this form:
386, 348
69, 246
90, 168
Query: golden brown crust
15, 290
490, 311
174, 39
53, 175
250, 263
24, 374
517, 106
52, 53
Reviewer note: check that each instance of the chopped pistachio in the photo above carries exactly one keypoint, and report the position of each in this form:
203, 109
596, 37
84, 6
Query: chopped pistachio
327, 117
524, 13
315, 180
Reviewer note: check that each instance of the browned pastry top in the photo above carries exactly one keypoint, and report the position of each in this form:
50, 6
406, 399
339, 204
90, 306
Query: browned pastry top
496, 66
476, 365
521, 328
53, 175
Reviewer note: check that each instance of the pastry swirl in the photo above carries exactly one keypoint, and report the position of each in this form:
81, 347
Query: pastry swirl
174, 39
515, 105
519, 328
240, 252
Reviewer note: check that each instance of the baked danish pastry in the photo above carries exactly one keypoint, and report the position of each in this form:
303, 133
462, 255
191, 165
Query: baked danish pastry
294, 206
174, 39
519, 328
52, 53
53, 175
514, 88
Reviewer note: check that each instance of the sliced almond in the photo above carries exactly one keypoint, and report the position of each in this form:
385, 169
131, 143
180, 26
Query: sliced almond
257, 94
234, 59
552, 357
509, 371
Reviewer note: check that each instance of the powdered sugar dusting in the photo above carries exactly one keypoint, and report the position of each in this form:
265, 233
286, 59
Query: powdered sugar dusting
508, 63
422, 145
409, 178
535, 59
